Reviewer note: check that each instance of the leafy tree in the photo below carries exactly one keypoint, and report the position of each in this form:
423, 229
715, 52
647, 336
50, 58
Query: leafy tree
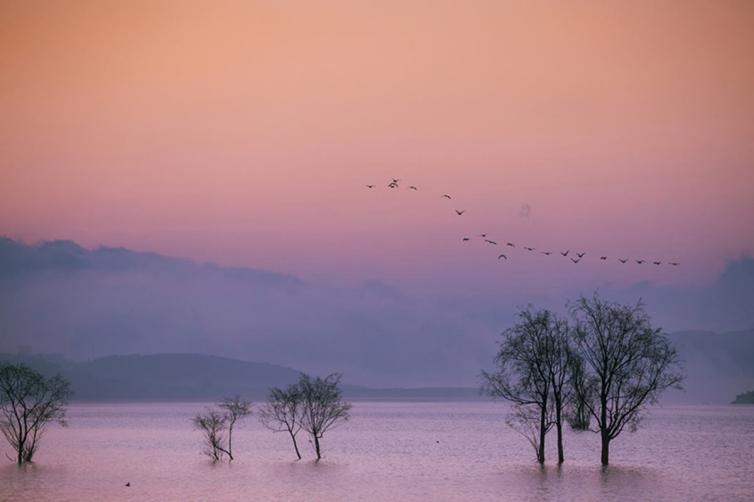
29, 402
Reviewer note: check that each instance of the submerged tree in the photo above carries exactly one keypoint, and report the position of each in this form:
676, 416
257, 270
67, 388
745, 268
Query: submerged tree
524, 419
282, 412
522, 374
577, 411
212, 424
29, 402
629, 363
323, 406
235, 409
558, 356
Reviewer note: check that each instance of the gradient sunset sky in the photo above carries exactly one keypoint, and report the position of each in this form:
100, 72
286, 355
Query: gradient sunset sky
243, 133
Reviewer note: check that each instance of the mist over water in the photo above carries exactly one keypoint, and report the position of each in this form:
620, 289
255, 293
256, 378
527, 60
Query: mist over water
387, 451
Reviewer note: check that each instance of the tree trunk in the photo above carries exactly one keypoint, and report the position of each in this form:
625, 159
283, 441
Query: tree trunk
542, 433
230, 443
559, 426
316, 447
295, 445
605, 457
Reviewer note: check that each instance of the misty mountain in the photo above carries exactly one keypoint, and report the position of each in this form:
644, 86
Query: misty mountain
58, 297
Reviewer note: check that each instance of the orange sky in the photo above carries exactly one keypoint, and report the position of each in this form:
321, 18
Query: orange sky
243, 133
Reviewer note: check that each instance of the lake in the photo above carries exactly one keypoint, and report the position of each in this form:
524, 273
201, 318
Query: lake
387, 451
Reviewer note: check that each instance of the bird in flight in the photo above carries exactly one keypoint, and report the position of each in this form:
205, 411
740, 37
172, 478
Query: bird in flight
657, 263
640, 261
603, 257
580, 255
547, 253
502, 256
510, 244
565, 253
674, 263
528, 248
392, 185
574, 260
623, 260
482, 235
370, 186
466, 239
396, 180
490, 242
459, 213
447, 196
412, 187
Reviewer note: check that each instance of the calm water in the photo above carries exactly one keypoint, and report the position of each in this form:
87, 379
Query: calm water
388, 451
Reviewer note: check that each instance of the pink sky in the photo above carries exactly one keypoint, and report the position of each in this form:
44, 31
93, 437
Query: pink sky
243, 133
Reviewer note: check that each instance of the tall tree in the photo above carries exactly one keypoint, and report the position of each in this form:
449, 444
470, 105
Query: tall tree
522, 375
283, 411
29, 402
629, 363
558, 356
323, 406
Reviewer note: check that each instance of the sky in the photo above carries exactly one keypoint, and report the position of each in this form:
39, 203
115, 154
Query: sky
243, 133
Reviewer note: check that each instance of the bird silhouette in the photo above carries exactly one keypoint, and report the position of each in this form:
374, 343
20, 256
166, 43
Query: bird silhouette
482, 235
501, 256
466, 239
396, 180
528, 248
392, 185
656, 263
674, 263
510, 244
623, 260
640, 261
412, 187
370, 186
574, 260
459, 213
565, 253
447, 196
547, 253
490, 242
603, 257
580, 255
128, 483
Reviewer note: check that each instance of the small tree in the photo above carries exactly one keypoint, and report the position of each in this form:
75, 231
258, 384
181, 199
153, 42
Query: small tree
522, 375
282, 412
524, 419
235, 409
629, 363
212, 424
577, 411
28, 403
558, 355
322, 406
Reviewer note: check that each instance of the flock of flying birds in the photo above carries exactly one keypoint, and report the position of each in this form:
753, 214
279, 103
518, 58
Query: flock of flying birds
575, 256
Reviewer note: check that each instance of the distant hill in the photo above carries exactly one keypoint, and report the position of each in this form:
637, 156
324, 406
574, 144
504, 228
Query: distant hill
196, 377
745, 398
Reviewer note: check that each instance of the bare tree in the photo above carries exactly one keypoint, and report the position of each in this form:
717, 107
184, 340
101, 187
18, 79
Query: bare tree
235, 409
323, 406
28, 403
629, 363
558, 355
212, 424
522, 375
524, 419
282, 412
